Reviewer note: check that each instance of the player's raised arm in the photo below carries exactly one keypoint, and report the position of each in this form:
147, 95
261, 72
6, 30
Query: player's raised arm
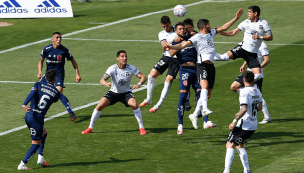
179, 46
231, 22
74, 63
40, 66
142, 78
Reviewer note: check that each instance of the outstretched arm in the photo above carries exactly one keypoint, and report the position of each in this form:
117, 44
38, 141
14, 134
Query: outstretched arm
74, 63
231, 22
142, 78
179, 46
40, 66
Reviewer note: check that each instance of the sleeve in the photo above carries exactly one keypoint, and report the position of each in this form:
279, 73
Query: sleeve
109, 71
266, 27
135, 71
69, 55
264, 49
213, 32
243, 98
241, 26
161, 36
193, 39
31, 94
43, 53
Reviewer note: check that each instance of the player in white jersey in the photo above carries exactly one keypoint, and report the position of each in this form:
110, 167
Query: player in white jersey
166, 62
254, 30
121, 74
203, 42
264, 60
245, 122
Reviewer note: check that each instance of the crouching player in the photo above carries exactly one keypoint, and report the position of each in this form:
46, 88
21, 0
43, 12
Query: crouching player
246, 122
121, 74
42, 96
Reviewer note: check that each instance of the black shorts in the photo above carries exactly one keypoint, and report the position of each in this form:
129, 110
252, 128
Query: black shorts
250, 58
167, 63
116, 97
258, 83
206, 72
239, 136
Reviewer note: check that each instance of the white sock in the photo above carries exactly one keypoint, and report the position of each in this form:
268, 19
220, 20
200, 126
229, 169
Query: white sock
198, 107
265, 110
95, 116
138, 117
257, 77
150, 86
244, 158
219, 57
164, 93
204, 98
228, 159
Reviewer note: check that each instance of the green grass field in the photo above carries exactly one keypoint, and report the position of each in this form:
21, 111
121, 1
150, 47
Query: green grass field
115, 145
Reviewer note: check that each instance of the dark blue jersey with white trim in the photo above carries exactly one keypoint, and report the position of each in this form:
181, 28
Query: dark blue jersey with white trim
187, 54
55, 58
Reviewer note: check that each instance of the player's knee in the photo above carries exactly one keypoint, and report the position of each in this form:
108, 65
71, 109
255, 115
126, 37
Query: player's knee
169, 79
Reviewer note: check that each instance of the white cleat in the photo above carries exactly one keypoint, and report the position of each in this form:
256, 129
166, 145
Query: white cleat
40, 159
22, 166
265, 121
209, 124
145, 102
194, 120
180, 129
207, 112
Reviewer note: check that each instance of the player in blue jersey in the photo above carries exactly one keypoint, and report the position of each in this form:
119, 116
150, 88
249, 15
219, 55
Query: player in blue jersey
55, 55
187, 58
42, 96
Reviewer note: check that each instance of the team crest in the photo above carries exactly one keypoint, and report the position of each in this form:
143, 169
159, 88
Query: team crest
185, 83
128, 74
59, 57
261, 27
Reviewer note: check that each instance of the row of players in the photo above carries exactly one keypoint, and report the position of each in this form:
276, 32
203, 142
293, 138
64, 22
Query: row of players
190, 53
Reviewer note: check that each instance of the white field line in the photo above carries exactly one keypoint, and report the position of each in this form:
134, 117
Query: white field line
63, 113
20, 82
156, 41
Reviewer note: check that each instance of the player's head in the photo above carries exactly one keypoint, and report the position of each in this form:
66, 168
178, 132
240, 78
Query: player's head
180, 29
189, 27
203, 24
50, 76
122, 58
248, 77
165, 23
56, 38
253, 11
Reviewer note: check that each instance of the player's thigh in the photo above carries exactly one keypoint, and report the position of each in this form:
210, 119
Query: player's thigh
59, 81
173, 68
162, 64
35, 123
103, 102
239, 136
154, 73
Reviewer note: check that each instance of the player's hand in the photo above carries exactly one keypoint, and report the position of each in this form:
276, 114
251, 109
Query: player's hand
78, 78
165, 48
109, 84
231, 125
39, 75
177, 39
26, 108
255, 37
242, 68
239, 13
137, 86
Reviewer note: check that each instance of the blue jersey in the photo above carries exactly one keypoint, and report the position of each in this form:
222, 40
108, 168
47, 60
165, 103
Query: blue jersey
56, 58
42, 96
187, 54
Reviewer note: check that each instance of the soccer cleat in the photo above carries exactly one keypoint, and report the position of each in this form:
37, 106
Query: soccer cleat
142, 131
40, 159
194, 120
264, 121
88, 130
73, 116
207, 112
187, 106
145, 102
22, 166
180, 129
154, 109
44, 164
209, 124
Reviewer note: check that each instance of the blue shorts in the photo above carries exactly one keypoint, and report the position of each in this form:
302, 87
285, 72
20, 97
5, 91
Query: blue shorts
59, 80
35, 122
187, 78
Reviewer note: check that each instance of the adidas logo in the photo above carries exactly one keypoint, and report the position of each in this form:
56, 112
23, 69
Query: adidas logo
12, 6
49, 6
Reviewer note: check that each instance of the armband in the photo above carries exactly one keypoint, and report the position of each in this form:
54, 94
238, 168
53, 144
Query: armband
139, 83
261, 37
234, 121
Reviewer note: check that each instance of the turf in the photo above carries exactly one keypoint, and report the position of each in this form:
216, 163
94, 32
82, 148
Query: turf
115, 145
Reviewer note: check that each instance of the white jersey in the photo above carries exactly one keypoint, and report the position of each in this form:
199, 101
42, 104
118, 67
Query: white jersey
169, 37
204, 46
253, 28
263, 51
121, 78
252, 97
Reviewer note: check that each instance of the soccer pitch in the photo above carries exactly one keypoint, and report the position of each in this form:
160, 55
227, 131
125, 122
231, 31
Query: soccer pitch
101, 28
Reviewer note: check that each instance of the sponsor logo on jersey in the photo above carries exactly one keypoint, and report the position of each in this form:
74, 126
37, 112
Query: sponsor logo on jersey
59, 57
50, 6
12, 6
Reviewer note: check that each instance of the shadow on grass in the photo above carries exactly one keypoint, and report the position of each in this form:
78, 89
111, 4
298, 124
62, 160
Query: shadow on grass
88, 117
111, 160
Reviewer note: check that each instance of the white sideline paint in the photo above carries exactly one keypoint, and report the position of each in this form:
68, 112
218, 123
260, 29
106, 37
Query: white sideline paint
63, 113
19, 82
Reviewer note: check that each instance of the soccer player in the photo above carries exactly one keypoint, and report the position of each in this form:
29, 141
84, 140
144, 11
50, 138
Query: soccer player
254, 30
203, 42
264, 60
55, 54
42, 96
166, 62
187, 58
121, 74
245, 122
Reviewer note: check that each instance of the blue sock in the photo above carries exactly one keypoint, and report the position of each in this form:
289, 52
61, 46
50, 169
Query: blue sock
206, 118
197, 95
30, 153
181, 107
41, 148
66, 103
